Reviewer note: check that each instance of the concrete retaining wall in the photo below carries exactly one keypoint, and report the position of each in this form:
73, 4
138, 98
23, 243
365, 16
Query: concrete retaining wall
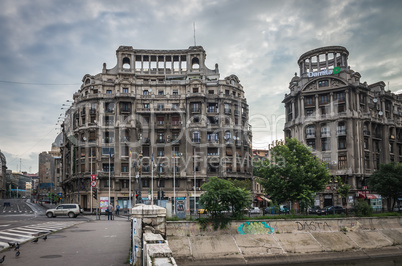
246, 241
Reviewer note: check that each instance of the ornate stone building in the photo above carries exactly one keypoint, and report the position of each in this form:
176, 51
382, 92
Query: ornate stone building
351, 125
161, 106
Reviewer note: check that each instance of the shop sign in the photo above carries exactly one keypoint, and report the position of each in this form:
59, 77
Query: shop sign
325, 72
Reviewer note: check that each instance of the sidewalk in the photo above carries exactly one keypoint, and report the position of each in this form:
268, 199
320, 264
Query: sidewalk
97, 242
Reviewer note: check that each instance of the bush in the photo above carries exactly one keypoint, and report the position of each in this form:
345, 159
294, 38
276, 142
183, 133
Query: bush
362, 208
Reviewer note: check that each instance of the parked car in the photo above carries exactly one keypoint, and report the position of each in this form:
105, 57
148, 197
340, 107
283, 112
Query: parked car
255, 210
71, 210
335, 210
317, 210
284, 209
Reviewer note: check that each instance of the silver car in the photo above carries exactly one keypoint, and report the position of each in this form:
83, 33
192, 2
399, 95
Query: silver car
71, 210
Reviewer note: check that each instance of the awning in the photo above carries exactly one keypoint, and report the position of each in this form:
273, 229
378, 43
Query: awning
266, 199
363, 195
258, 198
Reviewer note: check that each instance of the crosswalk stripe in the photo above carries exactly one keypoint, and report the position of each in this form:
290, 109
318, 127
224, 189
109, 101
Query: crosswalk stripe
8, 238
12, 234
4, 244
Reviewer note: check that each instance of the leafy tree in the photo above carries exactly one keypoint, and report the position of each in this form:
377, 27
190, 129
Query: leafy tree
343, 189
221, 196
292, 174
244, 183
387, 181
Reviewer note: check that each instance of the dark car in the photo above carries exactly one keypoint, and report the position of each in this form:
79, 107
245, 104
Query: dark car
335, 210
317, 210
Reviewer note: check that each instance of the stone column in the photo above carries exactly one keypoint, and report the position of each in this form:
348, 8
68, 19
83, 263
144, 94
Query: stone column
317, 113
318, 63
331, 99
326, 61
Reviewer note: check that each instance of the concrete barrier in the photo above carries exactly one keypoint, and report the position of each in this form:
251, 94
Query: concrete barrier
246, 241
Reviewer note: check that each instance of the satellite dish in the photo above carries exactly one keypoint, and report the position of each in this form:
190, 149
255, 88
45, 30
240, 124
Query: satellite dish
380, 113
84, 138
150, 90
375, 100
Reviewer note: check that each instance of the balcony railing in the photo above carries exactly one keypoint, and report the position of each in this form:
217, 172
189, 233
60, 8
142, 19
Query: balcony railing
228, 112
196, 140
366, 132
310, 135
325, 134
341, 132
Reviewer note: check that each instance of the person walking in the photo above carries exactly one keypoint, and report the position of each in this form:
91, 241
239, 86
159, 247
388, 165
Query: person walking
110, 212
117, 209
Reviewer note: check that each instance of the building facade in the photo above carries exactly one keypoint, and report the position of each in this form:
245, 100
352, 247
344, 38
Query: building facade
49, 187
158, 121
351, 125
3, 169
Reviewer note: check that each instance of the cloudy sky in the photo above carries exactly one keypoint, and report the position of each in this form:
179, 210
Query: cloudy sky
46, 47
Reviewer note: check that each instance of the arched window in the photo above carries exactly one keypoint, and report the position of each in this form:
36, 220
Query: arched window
195, 63
126, 63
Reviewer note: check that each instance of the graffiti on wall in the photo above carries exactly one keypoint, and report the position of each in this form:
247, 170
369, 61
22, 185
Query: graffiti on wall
254, 228
312, 226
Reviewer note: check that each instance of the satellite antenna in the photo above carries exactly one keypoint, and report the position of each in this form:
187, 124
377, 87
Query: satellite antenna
375, 100
380, 113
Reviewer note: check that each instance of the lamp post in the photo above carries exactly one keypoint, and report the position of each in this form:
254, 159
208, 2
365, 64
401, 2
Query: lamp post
139, 175
174, 183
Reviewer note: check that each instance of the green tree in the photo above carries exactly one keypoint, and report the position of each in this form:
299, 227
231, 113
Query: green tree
292, 174
221, 196
387, 181
343, 189
244, 183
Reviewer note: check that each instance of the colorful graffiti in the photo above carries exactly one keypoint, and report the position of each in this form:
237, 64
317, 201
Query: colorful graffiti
254, 228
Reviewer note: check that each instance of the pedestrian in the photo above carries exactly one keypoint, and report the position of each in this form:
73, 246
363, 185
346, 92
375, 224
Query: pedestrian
117, 209
110, 212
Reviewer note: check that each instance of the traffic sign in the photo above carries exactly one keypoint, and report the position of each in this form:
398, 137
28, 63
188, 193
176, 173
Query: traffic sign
93, 177
93, 183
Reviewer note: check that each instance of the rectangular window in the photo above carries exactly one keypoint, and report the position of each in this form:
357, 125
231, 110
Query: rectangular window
311, 144
340, 96
341, 108
105, 167
195, 108
161, 183
324, 99
308, 101
124, 167
125, 107
323, 83
145, 105
109, 107
109, 120
125, 90
108, 137
195, 90
160, 120
175, 106
160, 92
175, 120
341, 143
145, 182
107, 151
145, 92
124, 150
108, 91
325, 144
160, 106
211, 92
175, 92
342, 162
160, 152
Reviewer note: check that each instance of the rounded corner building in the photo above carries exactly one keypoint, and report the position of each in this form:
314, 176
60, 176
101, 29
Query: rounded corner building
159, 121
349, 124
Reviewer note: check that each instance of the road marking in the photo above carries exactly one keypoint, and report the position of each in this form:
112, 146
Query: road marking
12, 234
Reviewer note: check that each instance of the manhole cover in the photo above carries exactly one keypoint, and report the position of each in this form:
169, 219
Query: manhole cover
81, 231
55, 236
51, 256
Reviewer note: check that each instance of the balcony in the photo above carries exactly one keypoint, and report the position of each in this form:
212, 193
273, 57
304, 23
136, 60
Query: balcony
196, 140
341, 132
236, 112
212, 110
310, 135
146, 141
227, 111
325, 134
195, 110
92, 111
160, 140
